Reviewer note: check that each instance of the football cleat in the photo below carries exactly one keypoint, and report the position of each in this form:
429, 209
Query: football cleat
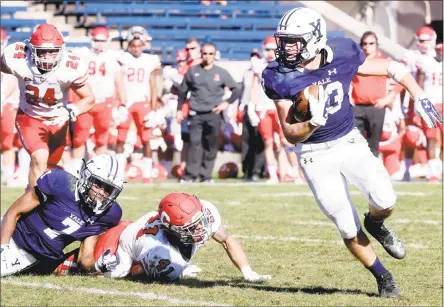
64, 268
387, 238
387, 286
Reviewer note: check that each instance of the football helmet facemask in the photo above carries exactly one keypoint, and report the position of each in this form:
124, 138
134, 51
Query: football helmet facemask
183, 215
47, 46
425, 39
100, 182
99, 39
300, 36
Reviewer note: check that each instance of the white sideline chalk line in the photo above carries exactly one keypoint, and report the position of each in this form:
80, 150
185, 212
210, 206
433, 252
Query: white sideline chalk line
392, 221
144, 295
307, 240
286, 194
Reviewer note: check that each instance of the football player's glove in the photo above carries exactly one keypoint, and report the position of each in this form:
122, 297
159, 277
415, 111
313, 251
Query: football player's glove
250, 275
425, 108
318, 108
191, 271
106, 262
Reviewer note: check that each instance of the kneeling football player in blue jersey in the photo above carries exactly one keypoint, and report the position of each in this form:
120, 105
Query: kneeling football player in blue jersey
59, 210
330, 150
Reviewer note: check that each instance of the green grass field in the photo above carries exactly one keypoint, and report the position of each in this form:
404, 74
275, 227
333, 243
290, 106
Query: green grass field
285, 235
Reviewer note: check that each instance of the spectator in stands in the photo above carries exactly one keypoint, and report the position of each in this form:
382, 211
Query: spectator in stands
208, 2
207, 83
253, 158
370, 96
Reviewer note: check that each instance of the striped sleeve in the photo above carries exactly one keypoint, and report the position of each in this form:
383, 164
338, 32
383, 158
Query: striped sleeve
81, 75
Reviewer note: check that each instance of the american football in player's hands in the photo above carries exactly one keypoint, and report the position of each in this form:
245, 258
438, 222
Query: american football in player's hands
301, 108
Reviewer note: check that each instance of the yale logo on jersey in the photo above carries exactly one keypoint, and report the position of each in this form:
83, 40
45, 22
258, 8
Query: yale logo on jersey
322, 81
77, 219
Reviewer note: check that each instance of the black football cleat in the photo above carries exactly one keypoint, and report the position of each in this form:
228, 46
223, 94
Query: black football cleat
388, 239
387, 286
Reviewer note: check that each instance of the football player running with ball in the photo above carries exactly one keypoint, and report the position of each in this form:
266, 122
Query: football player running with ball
330, 150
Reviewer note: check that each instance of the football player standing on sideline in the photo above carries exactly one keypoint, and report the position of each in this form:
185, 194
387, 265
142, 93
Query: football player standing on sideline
105, 79
206, 83
140, 74
331, 151
59, 210
46, 72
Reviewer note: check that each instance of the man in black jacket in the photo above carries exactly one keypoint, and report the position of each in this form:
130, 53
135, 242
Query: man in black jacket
206, 83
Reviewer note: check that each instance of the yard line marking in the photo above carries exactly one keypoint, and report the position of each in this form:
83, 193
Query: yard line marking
144, 295
307, 240
391, 221
288, 194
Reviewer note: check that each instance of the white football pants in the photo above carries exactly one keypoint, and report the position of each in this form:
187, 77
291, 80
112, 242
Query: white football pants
327, 168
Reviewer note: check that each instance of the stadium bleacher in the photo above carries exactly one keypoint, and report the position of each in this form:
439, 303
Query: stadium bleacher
235, 28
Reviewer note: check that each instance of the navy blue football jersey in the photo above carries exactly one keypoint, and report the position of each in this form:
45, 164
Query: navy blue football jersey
61, 218
343, 60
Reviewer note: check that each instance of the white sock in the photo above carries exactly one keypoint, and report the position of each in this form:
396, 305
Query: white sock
8, 172
272, 171
147, 167
434, 166
24, 161
295, 170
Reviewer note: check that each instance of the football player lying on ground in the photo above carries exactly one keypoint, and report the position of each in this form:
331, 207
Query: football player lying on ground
59, 210
162, 243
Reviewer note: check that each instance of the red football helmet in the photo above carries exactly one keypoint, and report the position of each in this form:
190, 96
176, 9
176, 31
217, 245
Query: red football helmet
268, 48
228, 170
414, 137
159, 172
47, 46
426, 39
133, 172
4, 38
99, 38
181, 55
183, 215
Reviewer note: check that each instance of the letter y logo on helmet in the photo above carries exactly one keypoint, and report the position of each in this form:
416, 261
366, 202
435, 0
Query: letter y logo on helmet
301, 35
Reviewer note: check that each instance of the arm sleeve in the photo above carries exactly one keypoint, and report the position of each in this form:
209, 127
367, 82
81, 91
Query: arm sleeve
356, 56
213, 213
80, 74
183, 89
247, 84
45, 185
233, 86
268, 86
12, 55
